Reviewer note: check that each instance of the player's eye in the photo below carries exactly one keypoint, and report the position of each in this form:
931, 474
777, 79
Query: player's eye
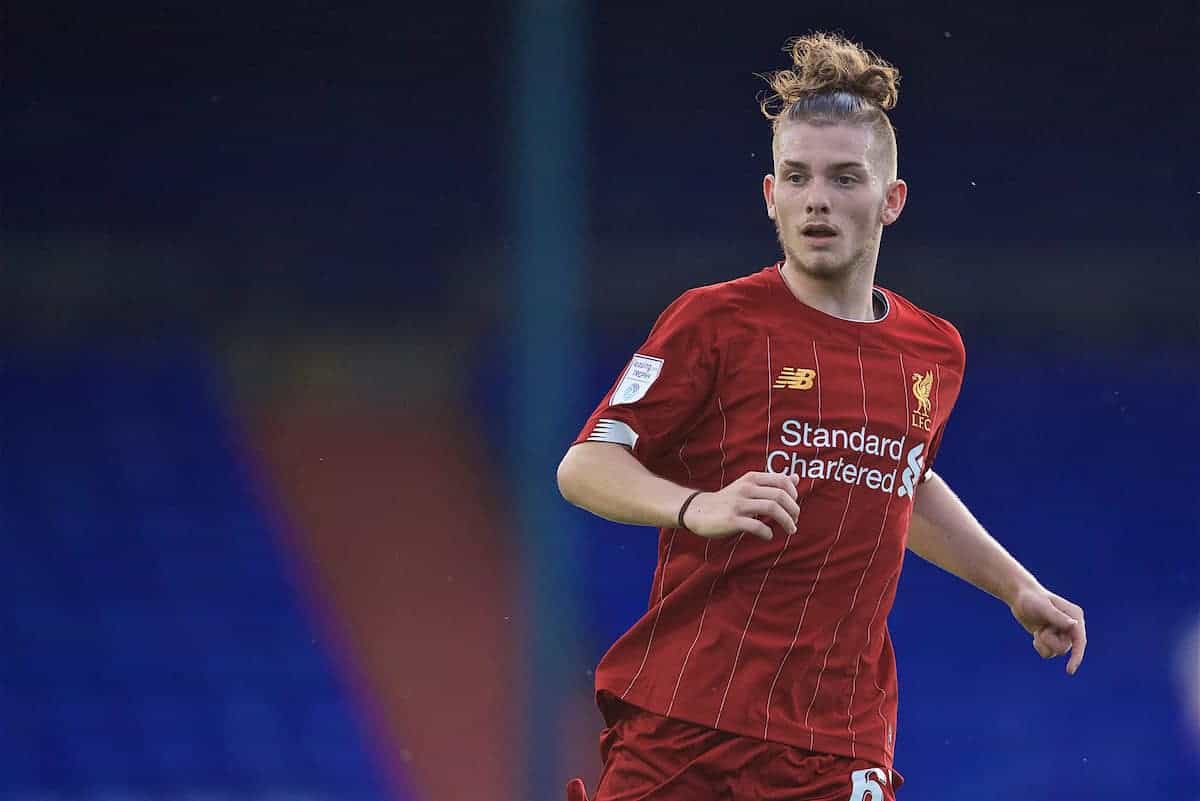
846, 180
795, 178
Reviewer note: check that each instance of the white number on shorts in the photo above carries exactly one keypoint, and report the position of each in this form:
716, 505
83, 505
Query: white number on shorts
865, 787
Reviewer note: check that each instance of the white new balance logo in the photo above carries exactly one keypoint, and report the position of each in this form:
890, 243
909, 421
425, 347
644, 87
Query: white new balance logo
913, 471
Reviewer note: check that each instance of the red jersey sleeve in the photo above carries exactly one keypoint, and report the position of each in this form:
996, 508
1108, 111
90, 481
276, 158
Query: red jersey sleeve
934, 444
664, 388
958, 365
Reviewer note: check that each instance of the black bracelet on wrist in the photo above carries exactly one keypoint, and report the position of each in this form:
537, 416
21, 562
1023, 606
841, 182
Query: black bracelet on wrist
682, 509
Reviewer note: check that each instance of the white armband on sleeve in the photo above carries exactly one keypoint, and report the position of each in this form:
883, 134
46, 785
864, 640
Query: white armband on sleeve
928, 475
613, 431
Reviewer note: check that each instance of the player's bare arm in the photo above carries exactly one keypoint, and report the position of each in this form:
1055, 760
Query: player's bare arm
944, 532
609, 481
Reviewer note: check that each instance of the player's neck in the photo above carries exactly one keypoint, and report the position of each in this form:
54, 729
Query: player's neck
849, 297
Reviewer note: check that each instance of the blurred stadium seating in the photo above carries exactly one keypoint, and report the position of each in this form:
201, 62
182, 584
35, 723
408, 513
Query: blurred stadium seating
157, 644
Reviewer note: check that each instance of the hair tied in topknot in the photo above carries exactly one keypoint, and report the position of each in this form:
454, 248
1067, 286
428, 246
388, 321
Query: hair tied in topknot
828, 63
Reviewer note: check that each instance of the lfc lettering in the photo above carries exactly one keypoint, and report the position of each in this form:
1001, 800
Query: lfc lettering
922, 386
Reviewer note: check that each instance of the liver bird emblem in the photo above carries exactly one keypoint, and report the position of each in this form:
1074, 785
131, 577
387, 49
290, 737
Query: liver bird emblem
922, 385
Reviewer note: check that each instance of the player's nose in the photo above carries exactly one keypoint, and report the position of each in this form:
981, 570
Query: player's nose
817, 204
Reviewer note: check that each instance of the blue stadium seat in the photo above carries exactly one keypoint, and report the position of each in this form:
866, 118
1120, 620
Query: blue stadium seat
155, 641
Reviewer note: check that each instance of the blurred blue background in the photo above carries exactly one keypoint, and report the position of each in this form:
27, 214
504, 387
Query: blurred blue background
302, 303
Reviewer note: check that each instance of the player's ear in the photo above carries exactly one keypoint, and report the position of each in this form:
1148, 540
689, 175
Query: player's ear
769, 194
893, 201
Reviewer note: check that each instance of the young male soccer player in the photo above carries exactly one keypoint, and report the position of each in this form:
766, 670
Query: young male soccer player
780, 428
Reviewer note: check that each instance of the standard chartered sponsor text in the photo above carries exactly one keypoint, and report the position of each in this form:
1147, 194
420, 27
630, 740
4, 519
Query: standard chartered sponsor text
800, 434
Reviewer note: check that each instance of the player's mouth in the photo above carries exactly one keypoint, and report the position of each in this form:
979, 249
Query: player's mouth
818, 232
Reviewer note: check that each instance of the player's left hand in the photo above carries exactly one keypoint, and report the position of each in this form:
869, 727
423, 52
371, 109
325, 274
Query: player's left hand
1056, 624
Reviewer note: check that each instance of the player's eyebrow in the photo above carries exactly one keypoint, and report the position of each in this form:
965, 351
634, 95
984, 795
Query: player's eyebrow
841, 165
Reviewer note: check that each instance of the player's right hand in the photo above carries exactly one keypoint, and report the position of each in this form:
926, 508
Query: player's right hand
749, 504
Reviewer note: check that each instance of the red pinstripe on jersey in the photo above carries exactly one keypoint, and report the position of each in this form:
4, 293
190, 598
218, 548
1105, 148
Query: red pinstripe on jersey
841, 528
858, 660
808, 597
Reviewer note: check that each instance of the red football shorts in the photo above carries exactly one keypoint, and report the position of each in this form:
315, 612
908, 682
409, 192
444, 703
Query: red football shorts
648, 757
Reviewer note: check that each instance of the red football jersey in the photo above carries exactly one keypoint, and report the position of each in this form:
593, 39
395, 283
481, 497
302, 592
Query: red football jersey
784, 640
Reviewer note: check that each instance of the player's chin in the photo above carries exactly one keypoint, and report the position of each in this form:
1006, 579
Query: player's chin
823, 265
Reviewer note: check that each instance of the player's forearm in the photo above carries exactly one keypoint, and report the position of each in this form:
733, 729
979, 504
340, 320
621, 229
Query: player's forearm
944, 532
609, 481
